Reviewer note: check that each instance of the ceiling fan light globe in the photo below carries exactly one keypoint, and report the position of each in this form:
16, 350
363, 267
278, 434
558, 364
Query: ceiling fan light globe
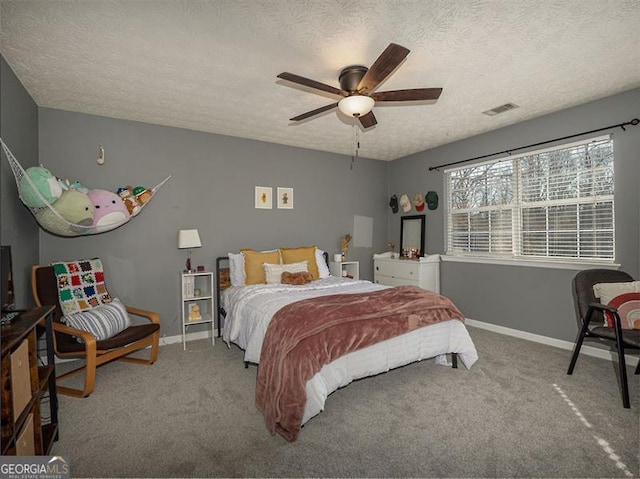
356, 105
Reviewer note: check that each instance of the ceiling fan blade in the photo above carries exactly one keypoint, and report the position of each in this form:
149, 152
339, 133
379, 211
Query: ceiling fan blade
368, 120
382, 67
317, 111
311, 83
415, 94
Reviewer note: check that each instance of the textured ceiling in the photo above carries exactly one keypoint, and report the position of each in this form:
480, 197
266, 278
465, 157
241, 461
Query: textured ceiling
212, 65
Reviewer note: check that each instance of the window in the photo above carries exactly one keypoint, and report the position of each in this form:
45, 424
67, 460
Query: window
555, 203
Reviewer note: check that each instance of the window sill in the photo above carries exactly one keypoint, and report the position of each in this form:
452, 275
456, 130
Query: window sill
578, 266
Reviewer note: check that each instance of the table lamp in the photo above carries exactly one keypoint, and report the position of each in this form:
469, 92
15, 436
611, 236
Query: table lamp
188, 239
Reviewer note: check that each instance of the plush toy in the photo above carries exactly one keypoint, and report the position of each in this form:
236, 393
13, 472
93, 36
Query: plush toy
44, 182
110, 210
76, 185
142, 194
73, 206
130, 201
64, 184
302, 277
194, 312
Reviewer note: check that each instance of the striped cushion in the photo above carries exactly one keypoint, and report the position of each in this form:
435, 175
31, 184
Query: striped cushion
103, 321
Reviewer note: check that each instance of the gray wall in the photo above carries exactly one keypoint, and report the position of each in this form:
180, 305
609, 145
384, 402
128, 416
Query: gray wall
536, 300
211, 189
19, 131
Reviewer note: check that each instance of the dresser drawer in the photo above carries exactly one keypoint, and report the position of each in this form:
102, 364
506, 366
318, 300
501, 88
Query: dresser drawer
20, 378
393, 281
398, 269
25, 442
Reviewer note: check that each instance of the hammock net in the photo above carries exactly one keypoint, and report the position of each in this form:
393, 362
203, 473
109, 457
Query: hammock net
75, 211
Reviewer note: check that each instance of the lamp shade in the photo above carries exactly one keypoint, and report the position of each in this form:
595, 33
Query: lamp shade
188, 239
356, 105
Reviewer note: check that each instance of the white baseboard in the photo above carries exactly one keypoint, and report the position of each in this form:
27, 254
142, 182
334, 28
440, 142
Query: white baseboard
537, 338
189, 337
558, 343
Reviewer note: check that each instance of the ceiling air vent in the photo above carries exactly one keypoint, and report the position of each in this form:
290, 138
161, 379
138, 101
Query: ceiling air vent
501, 109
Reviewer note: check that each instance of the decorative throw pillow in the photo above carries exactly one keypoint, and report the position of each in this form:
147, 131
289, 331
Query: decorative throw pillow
323, 268
80, 285
253, 261
628, 306
605, 292
236, 268
103, 322
623, 296
304, 253
224, 277
273, 272
303, 277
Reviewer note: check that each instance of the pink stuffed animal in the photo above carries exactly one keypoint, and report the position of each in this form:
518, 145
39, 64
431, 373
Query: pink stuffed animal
110, 210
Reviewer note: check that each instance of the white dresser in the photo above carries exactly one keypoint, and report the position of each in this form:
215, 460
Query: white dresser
423, 272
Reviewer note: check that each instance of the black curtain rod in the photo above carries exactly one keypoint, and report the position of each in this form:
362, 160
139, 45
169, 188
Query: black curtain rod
633, 122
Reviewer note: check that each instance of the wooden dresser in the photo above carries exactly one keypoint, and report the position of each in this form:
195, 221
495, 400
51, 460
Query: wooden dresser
29, 400
423, 272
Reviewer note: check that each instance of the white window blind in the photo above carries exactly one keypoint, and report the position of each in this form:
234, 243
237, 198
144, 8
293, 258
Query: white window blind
552, 203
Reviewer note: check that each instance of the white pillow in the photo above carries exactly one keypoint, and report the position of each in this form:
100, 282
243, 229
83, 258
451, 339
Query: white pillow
323, 269
273, 272
236, 269
607, 291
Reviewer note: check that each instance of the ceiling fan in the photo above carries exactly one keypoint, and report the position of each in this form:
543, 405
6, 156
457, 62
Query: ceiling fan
357, 85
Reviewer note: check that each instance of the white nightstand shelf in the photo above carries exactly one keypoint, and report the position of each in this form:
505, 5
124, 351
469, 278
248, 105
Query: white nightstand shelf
345, 269
197, 303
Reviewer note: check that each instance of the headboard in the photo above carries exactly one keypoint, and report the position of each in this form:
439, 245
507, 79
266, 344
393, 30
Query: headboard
223, 281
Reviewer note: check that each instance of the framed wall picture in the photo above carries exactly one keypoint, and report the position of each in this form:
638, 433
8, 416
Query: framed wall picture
285, 198
264, 197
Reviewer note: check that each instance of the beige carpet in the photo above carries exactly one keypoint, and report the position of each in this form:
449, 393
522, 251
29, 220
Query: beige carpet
514, 414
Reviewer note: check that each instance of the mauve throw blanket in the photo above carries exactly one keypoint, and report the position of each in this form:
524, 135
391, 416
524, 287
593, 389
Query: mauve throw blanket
304, 336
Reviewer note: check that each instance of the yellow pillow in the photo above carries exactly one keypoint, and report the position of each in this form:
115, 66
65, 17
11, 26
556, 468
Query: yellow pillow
253, 261
304, 253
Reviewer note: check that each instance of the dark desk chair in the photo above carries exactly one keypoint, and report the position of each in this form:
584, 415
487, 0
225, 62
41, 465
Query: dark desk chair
591, 319
95, 353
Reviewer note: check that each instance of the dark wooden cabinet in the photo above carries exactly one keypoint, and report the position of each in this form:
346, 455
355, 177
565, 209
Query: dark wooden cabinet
29, 401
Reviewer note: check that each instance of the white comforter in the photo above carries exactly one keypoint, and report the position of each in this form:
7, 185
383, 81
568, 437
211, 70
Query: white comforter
250, 309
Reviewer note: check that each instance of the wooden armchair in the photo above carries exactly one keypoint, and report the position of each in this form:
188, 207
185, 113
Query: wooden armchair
95, 353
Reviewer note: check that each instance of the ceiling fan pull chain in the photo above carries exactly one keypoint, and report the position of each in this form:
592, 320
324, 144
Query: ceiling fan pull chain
353, 157
356, 144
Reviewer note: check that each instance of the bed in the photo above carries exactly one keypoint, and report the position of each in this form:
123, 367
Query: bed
249, 310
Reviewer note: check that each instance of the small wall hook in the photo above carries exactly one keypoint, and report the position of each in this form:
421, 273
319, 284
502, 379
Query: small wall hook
100, 159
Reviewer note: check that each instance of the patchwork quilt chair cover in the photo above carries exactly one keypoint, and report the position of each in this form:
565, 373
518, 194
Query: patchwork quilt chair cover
94, 348
592, 324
